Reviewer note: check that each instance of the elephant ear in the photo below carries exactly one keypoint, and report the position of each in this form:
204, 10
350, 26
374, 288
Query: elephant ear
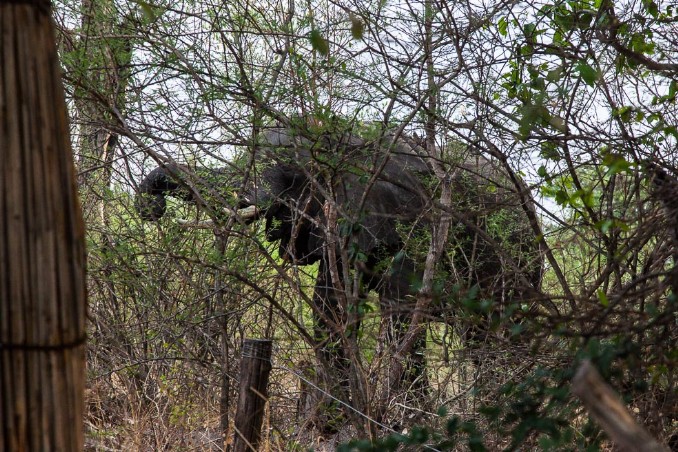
397, 197
286, 198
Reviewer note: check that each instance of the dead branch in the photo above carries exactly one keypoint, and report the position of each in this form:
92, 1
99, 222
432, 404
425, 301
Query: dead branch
606, 408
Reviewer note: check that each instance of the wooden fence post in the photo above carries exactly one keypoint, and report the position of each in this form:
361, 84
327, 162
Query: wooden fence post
255, 367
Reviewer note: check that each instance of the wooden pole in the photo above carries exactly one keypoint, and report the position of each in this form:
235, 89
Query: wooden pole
42, 243
255, 367
606, 408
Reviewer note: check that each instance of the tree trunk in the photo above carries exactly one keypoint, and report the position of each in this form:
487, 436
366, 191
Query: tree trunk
42, 247
102, 67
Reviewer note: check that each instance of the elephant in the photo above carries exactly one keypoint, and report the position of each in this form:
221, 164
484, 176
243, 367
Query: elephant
366, 207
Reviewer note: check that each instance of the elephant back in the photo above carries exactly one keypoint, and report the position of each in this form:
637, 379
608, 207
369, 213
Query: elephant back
493, 205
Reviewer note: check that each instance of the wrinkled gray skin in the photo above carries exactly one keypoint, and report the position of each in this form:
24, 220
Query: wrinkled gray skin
291, 193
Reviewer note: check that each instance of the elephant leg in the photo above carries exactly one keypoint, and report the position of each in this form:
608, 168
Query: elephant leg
397, 305
330, 320
330, 325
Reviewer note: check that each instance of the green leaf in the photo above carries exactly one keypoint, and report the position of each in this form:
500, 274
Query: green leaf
562, 197
537, 83
529, 31
319, 43
671, 130
542, 172
670, 97
565, 19
558, 123
584, 20
624, 113
587, 198
616, 163
587, 73
357, 27
532, 116
554, 74
503, 26
603, 298
651, 7
549, 151
604, 226
149, 10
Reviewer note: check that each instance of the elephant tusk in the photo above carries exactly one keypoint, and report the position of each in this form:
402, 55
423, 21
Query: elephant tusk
206, 224
248, 212
245, 213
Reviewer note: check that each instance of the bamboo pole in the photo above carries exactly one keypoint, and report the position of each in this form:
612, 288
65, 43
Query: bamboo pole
42, 251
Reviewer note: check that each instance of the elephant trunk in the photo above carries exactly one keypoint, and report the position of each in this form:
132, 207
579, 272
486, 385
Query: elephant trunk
150, 198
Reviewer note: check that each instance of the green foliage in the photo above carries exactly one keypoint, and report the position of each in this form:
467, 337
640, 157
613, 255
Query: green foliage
150, 11
536, 410
357, 27
319, 43
455, 434
587, 73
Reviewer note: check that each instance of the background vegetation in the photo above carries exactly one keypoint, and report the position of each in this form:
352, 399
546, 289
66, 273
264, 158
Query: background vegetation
576, 98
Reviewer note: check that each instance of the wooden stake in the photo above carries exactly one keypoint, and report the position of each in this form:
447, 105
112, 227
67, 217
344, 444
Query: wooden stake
255, 368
